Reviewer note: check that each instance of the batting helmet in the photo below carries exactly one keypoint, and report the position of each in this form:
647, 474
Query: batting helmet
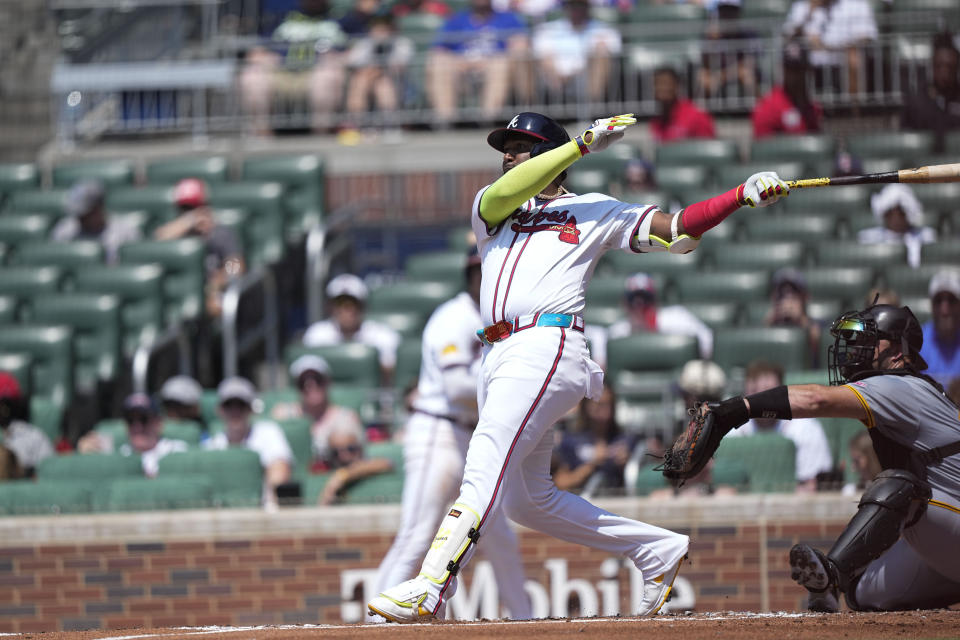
546, 131
856, 334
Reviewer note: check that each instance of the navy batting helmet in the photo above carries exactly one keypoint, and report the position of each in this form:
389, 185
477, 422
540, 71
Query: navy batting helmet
856, 334
547, 133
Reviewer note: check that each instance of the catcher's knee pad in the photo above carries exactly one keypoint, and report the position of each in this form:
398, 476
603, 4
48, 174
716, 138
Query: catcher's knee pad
895, 500
458, 531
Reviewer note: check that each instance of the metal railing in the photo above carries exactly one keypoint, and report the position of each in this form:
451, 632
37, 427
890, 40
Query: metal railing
258, 325
173, 344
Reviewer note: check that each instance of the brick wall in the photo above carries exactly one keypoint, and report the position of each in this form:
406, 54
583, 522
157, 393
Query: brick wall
311, 565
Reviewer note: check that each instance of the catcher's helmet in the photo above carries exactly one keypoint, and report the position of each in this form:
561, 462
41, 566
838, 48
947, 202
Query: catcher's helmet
856, 334
547, 132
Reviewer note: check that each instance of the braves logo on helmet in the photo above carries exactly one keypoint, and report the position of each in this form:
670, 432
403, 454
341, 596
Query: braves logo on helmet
547, 132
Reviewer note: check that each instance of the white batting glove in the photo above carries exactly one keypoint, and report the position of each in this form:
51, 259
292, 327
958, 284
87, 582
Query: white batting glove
604, 132
764, 188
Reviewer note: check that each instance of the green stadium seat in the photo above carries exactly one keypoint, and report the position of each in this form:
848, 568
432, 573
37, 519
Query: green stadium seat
730, 472
184, 276
646, 13
808, 149
27, 283
910, 145
25, 498
8, 310
235, 475
360, 398
839, 431
724, 286
609, 290
840, 253
186, 430
18, 175
19, 366
385, 487
264, 201
656, 197
350, 363
680, 179
89, 468
95, 320
843, 201
602, 315
707, 153
297, 431
448, 266
738, 346
139, 288
944, 252
649, 480
49, 201
411, 295
47, 415
408, 324
409, 355
769, 458
807, 376
17, 228
156, 200
588, 181
824, 310
649, 352
51, 347
715, 314
461, 239
110, 172
303, 179
115, 429
729, 176
910, 282
767, 254
663, 263
613, 160
809, 228
170, 171
940, 198
65, 255
849, 284
765, 9
418, 25
152, 494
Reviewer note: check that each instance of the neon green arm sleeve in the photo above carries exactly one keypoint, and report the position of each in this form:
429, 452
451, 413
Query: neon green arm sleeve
524, 181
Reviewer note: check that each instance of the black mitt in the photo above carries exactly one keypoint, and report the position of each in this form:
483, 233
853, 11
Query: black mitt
709, 422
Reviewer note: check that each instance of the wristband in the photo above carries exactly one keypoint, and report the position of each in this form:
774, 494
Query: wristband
731, 413
584, 149
773, 403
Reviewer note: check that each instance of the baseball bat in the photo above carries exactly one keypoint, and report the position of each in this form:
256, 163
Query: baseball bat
933, 173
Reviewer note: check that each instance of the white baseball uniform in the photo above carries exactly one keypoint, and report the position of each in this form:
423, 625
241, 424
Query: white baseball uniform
435, 447
539, 261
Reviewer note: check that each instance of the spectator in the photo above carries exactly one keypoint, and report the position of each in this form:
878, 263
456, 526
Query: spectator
788, 308
348, 295
476, 42
941, 334
865, 462
312, 376
236, 397
180, 400
144, 435
639, 175
788, 109
358, 19
87, 219
937, 108
833, 31
224, 256
592, 456
729, 52
27, 444
348, 462
813, 451
644, 313
10, 468
677, 118
899, 215
953, 391
429, 7
305, 57
846, 164
378, 61
575, 53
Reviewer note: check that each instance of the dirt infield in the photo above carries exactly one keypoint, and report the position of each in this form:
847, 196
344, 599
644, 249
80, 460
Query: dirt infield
912, 625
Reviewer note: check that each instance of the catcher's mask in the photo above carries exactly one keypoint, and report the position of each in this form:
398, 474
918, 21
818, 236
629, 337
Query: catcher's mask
546, 132
857, 333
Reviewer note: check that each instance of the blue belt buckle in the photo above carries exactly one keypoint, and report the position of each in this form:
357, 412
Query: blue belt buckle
554, 320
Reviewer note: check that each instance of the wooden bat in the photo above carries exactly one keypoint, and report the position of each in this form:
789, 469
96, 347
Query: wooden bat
933, 173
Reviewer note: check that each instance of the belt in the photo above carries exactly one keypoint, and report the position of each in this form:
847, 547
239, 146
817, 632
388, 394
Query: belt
505, 328
451, 419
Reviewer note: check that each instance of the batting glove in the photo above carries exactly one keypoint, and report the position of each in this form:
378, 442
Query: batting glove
764, 188
603, 133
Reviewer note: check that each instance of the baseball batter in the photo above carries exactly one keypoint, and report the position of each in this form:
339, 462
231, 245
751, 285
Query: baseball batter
435, 448
539, 245
899, 550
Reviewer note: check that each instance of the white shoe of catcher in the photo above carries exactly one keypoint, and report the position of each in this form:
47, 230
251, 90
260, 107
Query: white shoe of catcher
404, 603
656, 591
811, 570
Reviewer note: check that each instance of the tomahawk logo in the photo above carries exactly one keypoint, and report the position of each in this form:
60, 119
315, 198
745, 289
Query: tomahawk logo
514, 122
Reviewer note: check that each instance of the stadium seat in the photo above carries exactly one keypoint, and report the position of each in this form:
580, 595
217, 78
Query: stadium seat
645, 13
385, 487
18, 175
419, 25
303, 179
184, 276
840, 253
707, 153
51, 347
738, 346
156, 200
613, 160
448, 266
170, 171
460, 238
350, 363
765, 254
839, 431
909, 145
910, 282
938, 198
944, 252
678, 179
411, 295
769, 458
842, 201
807, 227
765, 9
19, 366
27, 283
139, 288
17, 228
724, 286
65, 255
110, 172
587, 181
409, 355
49, 201
8, 310
297, 431
264, 200
668, 265
649, 351
44, 498
824, 310
235, 475
95, 320
408, 324
47, 415
715, 314
848, 284
730, 472
160, 493
602, 315
89, 468
656, 197
649, 480
609, 290
808, 149
116, 430
360, 398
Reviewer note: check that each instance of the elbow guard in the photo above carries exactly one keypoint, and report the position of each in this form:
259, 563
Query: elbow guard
679, 243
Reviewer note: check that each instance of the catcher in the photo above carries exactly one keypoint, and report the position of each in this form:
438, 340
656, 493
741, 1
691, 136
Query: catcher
891, 554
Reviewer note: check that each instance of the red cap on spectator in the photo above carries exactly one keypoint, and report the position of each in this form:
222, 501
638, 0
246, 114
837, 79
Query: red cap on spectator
9, 387
190, 192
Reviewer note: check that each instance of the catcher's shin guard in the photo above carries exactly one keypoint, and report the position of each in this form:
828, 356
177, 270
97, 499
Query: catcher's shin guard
895, 500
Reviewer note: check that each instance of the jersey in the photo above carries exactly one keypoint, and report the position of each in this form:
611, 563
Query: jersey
265, 438
914, 414
450, 341
541, 258
150, 460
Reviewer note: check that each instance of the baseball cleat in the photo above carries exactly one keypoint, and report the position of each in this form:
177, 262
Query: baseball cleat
812, 570
403, 603
657, 590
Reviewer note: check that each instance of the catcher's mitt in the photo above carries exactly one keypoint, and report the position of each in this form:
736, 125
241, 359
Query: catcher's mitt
709, 422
